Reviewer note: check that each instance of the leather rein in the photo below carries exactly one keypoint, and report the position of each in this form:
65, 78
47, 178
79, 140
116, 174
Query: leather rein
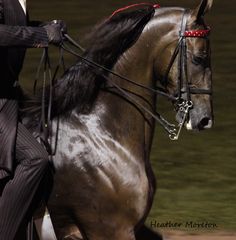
184, 104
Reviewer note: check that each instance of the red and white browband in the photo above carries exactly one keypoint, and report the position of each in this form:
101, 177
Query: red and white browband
197, 33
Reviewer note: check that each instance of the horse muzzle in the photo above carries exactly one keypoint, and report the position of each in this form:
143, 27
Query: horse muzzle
196, 119
204, 123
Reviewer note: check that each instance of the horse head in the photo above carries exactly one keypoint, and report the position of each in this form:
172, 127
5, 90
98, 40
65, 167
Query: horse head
184, 65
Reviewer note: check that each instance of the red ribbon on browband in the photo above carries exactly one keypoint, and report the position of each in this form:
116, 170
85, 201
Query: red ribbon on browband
197, 33
134, 5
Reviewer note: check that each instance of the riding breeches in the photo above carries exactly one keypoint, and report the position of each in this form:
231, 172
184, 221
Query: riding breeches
19, 193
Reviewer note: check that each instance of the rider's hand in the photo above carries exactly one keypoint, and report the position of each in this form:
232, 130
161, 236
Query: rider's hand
55, 31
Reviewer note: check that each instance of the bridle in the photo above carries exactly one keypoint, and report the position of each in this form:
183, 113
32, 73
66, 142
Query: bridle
184, 104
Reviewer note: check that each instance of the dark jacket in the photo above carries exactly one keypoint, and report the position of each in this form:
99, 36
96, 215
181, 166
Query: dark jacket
15, 37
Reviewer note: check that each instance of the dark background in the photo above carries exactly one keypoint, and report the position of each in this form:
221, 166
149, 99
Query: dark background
196, 175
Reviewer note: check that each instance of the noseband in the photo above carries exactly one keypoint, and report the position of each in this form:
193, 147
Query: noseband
184, 104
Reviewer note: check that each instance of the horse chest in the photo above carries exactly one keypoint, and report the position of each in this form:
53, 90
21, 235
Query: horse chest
92, 158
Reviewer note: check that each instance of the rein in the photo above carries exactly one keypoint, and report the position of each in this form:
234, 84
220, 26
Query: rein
94, 64
184, 87
45, 126
170, 128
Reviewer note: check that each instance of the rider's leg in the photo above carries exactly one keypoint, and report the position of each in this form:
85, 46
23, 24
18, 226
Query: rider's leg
18, 193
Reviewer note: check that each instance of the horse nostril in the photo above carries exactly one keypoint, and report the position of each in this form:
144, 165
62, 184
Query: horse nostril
205, 123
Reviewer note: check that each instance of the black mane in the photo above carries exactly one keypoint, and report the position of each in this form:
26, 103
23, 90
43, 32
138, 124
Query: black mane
79, 85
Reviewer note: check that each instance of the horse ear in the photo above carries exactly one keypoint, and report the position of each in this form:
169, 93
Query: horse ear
199, 12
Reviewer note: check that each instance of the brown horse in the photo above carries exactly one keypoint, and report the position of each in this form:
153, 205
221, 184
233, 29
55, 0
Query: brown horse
104, 184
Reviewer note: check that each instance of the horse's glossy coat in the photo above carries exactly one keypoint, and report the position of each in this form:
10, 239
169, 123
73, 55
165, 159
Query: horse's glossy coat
104, 183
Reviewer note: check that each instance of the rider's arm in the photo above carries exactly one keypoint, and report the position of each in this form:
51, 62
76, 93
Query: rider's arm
27, 36
23, 36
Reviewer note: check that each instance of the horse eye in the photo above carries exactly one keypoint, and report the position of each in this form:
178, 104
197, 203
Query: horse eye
197, 60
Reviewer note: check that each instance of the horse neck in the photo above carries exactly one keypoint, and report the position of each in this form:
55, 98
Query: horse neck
135, 126
137, 63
